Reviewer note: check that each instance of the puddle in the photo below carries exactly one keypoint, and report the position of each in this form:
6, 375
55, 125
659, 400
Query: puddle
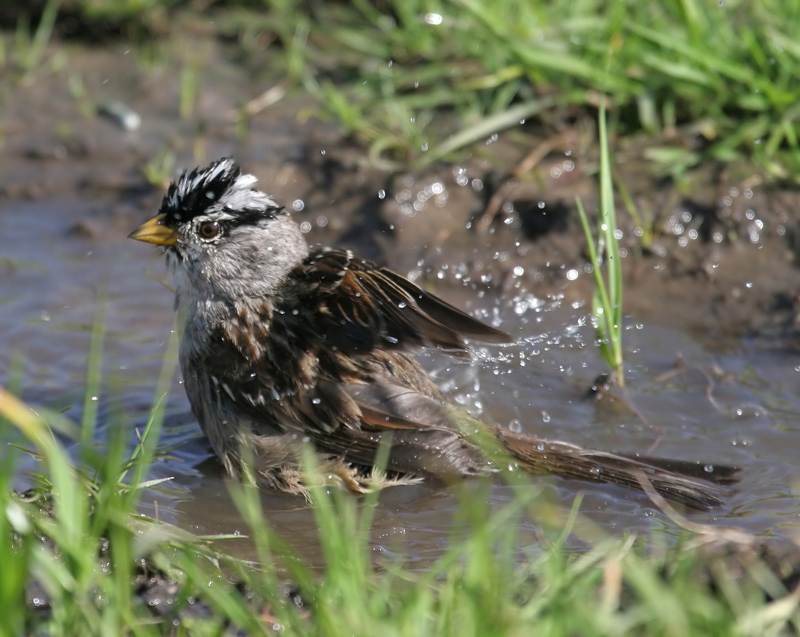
704, 388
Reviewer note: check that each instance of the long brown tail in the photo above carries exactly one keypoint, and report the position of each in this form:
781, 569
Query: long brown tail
693, 484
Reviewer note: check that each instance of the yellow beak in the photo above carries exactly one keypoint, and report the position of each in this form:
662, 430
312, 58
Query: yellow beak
154, 231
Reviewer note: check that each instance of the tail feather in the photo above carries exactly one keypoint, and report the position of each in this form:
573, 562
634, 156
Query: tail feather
696, 485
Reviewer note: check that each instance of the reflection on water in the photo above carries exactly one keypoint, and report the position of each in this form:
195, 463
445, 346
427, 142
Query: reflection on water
735, 405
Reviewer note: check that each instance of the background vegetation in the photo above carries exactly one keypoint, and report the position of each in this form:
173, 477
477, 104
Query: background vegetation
417, 80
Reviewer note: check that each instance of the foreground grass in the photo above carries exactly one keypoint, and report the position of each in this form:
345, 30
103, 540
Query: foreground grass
78, 559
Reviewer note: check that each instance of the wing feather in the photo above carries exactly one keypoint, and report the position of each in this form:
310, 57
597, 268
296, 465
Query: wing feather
365, 306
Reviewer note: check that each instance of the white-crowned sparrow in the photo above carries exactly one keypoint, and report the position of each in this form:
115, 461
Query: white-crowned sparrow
283, 344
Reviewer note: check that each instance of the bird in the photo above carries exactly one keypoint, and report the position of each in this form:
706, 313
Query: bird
284, 345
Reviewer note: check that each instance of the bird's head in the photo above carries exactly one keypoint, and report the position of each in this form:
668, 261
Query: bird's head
222, 236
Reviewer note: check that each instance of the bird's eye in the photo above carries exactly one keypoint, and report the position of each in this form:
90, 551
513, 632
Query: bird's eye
209, 229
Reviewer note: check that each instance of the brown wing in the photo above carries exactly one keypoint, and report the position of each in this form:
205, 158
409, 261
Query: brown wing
333, 367
362, 307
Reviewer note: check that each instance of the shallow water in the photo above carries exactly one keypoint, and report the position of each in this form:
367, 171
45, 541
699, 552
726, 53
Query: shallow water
693, 395
735, 405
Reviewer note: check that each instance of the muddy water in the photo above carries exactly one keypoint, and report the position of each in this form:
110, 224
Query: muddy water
693, 392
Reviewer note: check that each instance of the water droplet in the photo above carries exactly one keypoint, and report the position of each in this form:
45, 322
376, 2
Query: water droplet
709, 468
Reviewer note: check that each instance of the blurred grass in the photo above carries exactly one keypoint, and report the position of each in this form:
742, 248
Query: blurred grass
708, 80
421, 80
79, 547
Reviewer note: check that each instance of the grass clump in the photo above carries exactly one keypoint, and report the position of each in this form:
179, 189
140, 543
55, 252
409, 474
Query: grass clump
607, 297
29, 44
711, 81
